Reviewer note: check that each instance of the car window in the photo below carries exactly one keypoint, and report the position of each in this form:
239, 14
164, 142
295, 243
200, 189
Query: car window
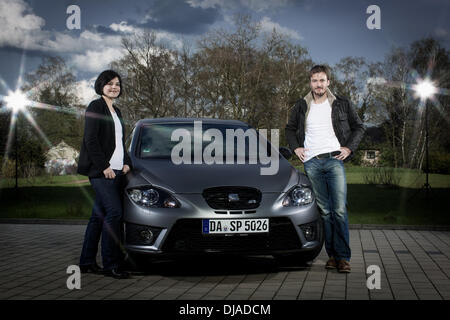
129, 141
156, 140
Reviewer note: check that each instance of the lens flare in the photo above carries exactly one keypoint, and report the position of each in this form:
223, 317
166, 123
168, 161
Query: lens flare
16, 101
425, 89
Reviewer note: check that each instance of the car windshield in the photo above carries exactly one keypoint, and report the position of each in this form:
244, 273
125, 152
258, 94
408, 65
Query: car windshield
156, 139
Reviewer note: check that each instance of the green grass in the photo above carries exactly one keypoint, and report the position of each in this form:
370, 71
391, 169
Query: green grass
370, 204
60, 202
408, 178
43, 181
59, 198
403, 204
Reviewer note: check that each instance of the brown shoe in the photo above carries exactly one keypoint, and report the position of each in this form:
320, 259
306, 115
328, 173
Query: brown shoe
331, 263
344, 266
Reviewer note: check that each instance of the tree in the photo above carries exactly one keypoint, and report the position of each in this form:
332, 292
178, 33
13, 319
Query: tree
247, 76
235, 74
290, 66
430, 59
397, 109
230, 69
54, 84
148, 70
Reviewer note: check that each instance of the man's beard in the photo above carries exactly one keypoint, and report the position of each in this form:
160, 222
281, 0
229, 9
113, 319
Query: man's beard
319, 94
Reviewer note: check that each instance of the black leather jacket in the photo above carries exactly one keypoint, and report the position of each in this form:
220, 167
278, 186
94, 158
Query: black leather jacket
347, 125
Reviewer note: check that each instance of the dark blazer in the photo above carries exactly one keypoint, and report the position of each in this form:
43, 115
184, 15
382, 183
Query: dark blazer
99, 140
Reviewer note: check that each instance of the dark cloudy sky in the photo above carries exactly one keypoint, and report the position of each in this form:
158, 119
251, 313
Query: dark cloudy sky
329, 29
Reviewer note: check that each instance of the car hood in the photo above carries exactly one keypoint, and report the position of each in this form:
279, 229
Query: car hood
194, 178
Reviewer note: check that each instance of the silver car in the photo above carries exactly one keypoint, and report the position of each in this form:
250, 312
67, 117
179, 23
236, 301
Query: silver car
173, 209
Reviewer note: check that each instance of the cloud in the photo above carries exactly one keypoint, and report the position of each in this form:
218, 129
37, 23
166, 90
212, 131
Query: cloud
180, 17
205, 4
91, 51
85, 91
18, 24
167, 37
267, 25
99, 58
96, 61
122, 27
24, 30
255, 5
262, 5
441, 32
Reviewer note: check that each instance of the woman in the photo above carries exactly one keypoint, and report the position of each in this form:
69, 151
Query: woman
103, 158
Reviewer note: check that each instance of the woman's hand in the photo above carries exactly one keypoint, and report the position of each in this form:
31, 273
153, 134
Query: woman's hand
109, 173
125, 169
301, 153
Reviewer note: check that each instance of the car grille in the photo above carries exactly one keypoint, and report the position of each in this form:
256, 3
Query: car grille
218, 198
186, 236
234, 212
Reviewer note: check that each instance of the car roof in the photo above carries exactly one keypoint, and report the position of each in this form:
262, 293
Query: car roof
190, 120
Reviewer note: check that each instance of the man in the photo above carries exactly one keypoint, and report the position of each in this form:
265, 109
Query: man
324, 130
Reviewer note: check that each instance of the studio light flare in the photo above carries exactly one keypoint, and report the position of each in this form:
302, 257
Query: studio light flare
16, 100
425, 89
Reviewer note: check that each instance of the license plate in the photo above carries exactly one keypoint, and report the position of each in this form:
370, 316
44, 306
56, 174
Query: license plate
230, 226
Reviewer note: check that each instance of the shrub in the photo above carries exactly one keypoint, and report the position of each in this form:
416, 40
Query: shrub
386, 156
8, 168
357, 157
439, 163
74, 209
383, 176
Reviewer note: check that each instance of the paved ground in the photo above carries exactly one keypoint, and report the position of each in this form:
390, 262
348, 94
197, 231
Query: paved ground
414, 265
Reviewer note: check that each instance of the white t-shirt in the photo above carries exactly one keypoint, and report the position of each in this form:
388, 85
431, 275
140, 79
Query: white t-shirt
116, 161
319, 135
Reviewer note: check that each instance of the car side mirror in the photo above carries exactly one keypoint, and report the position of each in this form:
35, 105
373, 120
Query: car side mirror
285, 152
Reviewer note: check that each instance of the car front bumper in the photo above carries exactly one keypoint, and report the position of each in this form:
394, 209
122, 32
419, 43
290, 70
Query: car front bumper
179, 231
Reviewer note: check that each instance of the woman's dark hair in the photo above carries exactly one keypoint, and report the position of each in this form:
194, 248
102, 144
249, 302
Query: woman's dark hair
103, 79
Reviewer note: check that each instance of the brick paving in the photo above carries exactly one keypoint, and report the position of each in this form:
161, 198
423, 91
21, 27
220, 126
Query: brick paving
414, 265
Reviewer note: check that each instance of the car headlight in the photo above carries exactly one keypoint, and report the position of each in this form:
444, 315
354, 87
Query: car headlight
151, 197
299, 196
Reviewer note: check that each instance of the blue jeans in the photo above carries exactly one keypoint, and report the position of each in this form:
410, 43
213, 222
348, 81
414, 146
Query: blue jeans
329, 184
105, 222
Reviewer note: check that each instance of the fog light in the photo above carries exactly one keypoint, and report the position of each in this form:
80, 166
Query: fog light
147, 236
309, 231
